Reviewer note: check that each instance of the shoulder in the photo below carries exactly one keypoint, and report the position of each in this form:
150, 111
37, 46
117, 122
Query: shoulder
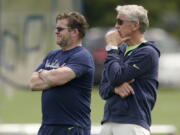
82, 57
83, 53
149, 48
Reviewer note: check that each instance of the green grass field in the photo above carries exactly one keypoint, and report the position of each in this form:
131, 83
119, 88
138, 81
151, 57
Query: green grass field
24, 107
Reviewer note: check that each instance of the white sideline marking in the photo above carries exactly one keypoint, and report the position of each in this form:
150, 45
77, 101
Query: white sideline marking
30, 129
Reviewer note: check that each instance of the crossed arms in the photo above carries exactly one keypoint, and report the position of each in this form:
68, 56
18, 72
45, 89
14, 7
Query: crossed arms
50, 78
124, 89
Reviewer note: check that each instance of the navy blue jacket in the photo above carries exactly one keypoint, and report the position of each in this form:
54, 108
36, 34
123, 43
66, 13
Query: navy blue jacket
140, 64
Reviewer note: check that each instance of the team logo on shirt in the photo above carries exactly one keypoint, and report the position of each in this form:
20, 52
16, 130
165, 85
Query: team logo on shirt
129, 53
53, 65
135, 66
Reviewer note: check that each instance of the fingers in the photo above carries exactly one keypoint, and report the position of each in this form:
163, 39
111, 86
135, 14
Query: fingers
129, 89
113, 37
124, 90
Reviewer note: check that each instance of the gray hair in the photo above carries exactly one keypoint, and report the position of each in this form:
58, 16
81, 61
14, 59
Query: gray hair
135, 13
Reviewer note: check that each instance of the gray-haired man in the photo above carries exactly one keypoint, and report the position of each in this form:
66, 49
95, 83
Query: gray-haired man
129, 80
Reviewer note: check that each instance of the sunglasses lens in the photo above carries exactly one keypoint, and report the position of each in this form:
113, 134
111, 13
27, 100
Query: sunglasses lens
119, 21
59, 28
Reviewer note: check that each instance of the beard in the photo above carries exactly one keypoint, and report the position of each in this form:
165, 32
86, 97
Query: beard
63, 42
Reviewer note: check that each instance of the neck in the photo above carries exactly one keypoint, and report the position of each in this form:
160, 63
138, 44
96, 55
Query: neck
72, 45
136, 39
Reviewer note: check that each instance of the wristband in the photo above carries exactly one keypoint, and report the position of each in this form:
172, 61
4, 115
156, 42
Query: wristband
111, 47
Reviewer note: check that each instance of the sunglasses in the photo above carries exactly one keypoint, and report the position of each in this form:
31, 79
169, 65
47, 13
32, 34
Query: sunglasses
119, 21
59, 28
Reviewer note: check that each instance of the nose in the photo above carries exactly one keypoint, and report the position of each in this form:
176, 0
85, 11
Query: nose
56, 31
117, 26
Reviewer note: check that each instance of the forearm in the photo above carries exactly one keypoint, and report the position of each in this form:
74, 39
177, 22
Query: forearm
115, 68
58, 76
119, 71
36, 83
117, 74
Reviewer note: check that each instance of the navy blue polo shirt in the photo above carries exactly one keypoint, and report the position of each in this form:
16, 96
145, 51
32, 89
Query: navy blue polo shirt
69, 104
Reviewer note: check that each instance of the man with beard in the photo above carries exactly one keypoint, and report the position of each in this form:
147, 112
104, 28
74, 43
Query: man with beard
129, 80
65, 78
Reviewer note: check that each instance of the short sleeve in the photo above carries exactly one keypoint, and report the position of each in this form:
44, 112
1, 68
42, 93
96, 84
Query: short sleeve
80, 63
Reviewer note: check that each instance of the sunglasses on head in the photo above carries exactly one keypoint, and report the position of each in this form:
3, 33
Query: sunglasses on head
59, 28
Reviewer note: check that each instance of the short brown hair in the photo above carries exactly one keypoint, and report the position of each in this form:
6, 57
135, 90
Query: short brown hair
75, 20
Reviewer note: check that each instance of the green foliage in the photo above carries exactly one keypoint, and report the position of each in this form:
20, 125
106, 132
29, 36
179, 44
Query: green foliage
101, 13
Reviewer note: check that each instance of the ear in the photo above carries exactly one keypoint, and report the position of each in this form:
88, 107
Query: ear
135, 26
75, 32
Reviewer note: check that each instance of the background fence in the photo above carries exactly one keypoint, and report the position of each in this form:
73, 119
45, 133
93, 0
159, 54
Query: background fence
26, 35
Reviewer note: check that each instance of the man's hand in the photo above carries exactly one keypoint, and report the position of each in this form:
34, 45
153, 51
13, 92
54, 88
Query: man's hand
36, 83
114, 38
124, 89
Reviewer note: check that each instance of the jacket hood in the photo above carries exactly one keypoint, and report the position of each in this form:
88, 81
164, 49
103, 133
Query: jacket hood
153, 44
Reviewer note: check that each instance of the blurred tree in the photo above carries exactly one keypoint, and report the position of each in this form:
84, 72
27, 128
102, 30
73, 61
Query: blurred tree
162, 13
